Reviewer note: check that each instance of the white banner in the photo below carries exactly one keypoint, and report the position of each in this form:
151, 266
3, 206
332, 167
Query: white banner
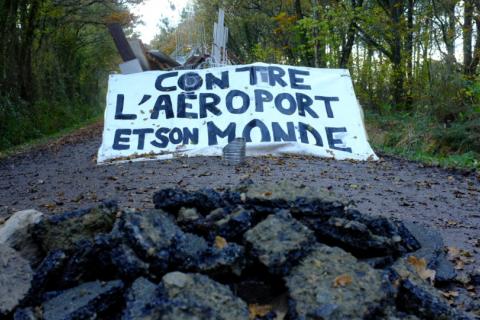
278, 109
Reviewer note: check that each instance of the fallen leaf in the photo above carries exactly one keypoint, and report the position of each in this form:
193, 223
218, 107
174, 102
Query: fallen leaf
452, 223
220, 242
342, 280
449, 294
49, 206
459, 265
205, 174
420, 266
471, 288
453, 251
256, 310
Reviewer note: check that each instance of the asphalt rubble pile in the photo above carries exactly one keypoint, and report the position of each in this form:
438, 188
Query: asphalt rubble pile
256, 252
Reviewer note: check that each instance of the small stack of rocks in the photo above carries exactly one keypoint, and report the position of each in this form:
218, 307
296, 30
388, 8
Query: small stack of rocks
256, 252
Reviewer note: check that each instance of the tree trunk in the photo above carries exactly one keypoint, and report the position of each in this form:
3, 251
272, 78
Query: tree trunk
351, 33
316, 44
9, 62
476, 51
409, 51
467, 37
26, 47
450, 36
409, 40
396, 13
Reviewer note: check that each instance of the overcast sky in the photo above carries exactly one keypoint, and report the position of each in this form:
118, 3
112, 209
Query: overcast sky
152, 11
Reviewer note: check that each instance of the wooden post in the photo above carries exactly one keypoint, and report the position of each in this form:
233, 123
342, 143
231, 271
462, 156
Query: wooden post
121, 42
220, 37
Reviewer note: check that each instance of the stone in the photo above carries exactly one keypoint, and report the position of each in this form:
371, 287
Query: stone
189, 251
424, 302
229, 260
332, 284
173, 199
279, 241
188, 215
284, 195
192, 253
156, 239
433, 251
63, 231
88, 301
139, 297
352, 236
179, 310
234, 224
16, 232
5, 213
151, 235
25, 314
475, 277
208, 298
379, 262
332, 219
259, 290
126, 264
395, 230
82, 265
418, 297
269, 246
105, 258
364, 236
15, 279
46, 275
230, 223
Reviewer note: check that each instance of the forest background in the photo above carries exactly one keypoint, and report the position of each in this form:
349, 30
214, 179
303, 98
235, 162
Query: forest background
414, 63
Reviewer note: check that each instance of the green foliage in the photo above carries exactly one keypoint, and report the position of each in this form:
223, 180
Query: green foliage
461, 135
421, 102
54, 70
418, 136
20, 124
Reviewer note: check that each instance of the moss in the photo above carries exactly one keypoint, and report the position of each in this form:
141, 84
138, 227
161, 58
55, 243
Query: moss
64, 231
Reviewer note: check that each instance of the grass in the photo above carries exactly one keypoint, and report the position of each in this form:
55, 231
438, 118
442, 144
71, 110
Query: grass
418, 137
47, 139
411, 136
468, 160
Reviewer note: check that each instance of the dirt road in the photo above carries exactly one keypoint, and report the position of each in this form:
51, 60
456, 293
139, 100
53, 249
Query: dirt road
64, 176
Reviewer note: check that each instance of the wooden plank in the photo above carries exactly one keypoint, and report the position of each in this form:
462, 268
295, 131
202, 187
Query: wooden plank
221, 18
225, 55
121, 42
132, 66
162, 58
215, 48
194, 62
220, 38
139, 52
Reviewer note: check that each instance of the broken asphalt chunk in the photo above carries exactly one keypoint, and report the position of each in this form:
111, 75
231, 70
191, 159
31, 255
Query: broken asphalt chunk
63, 231
139, 297
15, 279
279, 241
209, 298
88, 301
332, 284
